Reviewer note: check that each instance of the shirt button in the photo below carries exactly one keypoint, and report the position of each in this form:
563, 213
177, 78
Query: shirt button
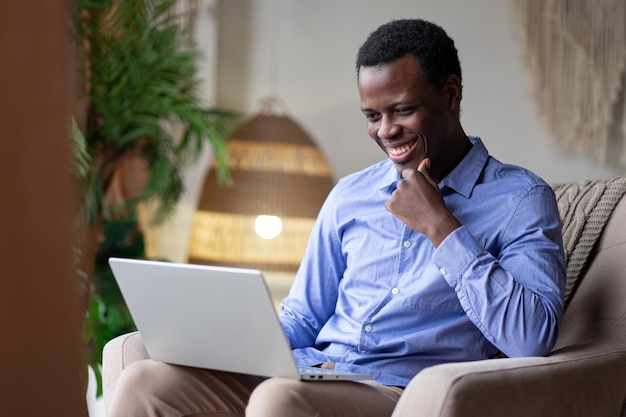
395, 291
368, 328
442, 270
407, 244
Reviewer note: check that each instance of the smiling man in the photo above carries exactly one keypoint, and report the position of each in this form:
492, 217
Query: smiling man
440, 253
416, 122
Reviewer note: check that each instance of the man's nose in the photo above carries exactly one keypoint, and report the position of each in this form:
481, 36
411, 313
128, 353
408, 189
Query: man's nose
388, 128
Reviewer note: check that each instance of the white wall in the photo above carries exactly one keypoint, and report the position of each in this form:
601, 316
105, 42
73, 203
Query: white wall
304, 52
169, 240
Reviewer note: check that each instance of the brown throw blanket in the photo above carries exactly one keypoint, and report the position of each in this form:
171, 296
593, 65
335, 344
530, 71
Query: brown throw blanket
585, 207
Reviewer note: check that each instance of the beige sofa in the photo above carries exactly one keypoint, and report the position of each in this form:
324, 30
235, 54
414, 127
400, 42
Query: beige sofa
585, 375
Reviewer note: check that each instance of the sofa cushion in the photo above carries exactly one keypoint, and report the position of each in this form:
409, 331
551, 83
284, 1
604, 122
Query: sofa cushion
585, 207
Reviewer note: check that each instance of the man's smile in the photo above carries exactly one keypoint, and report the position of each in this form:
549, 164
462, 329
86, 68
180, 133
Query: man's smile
400, 149
401, 152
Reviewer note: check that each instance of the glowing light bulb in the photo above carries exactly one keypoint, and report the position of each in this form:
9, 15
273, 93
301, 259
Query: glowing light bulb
268, 227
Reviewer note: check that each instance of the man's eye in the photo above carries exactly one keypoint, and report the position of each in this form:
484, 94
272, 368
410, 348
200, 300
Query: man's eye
372, 117
404, 111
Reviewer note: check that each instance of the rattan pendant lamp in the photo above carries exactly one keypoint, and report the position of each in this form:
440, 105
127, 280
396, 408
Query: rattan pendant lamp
263, 220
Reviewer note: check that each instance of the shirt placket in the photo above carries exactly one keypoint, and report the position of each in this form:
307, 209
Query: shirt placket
368, 327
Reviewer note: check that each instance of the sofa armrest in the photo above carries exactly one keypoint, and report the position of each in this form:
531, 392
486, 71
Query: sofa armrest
117, 354
572, 383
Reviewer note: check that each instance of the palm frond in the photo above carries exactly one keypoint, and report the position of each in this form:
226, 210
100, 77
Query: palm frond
141, 74
82, 158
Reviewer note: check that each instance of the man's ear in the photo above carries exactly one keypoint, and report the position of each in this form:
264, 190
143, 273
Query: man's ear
454, 92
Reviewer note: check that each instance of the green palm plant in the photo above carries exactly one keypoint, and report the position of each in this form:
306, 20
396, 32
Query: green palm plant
140, 78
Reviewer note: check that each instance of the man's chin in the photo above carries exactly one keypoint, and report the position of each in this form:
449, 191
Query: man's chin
401, 166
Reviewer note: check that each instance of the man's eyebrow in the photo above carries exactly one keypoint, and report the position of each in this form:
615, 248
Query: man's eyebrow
391, 106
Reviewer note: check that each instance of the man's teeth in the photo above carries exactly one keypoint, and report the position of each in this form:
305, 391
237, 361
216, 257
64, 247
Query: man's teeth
399, 150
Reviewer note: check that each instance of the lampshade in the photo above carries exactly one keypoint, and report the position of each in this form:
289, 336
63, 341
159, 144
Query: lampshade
263, 220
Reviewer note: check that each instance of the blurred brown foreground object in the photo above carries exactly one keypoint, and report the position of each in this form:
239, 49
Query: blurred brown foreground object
42, 365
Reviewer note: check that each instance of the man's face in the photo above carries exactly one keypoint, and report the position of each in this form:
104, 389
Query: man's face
408, 118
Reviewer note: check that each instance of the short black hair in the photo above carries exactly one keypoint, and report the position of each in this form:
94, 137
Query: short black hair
426, 41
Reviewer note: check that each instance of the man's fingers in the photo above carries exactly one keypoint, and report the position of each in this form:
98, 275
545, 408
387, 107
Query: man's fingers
423, 168
407, 173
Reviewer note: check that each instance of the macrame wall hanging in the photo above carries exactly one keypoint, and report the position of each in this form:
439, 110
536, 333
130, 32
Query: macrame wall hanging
575, 51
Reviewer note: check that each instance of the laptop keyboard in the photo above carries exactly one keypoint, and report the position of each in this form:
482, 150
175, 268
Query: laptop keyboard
312, 372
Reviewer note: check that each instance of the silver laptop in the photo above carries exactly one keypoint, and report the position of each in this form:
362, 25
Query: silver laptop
210, 317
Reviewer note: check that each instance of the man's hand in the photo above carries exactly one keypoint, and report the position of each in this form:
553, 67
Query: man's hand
417, 202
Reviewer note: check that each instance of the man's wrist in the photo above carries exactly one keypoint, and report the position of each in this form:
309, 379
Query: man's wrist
442, 229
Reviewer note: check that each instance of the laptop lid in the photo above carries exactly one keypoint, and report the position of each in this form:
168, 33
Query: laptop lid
205, 316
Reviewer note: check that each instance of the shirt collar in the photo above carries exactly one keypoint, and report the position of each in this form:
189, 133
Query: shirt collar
464, 176
461, 179
390, 178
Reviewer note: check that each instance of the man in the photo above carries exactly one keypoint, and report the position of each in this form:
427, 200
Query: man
439, 253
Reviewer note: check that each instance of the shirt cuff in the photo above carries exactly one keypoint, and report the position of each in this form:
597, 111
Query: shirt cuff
457, 251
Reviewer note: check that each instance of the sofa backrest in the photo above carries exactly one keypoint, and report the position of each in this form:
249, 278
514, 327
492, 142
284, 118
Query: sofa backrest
597, 308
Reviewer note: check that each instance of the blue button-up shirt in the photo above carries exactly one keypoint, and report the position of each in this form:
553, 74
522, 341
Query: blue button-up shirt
374, 295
